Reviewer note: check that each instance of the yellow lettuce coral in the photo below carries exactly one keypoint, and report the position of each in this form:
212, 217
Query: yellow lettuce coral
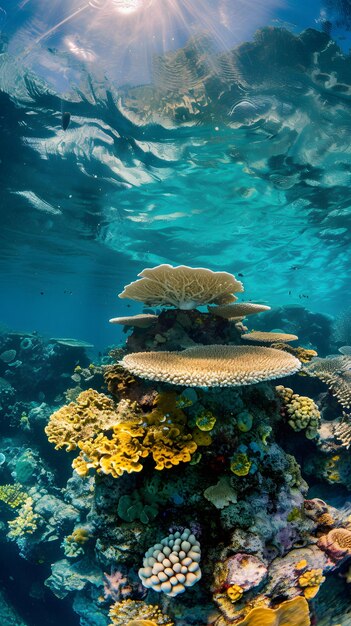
78, 421
303, 354
159, 433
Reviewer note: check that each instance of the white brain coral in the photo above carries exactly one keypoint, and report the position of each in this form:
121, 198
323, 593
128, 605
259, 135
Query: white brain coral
182, 287
213, 365
173, 564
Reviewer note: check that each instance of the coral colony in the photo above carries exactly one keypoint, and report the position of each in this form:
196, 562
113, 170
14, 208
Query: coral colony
187, 504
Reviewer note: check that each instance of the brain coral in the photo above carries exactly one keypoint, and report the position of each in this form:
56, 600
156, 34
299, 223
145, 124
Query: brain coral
337, 542
172, 564
138, 613
183, 287
213, 365
237, 310
263, 337
91, 413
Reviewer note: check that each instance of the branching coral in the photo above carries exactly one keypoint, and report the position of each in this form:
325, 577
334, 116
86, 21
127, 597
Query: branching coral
13, 495
302, 412
90, 414
26, 521
126, 612
183, 287
342, 431
213, 365
335, 372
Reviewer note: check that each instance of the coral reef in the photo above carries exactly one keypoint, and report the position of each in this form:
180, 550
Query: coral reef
190, 445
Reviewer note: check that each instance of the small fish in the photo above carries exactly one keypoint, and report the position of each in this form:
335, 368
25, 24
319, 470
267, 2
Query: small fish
65, 119
294, 267
41, 293
289, 293
241, 275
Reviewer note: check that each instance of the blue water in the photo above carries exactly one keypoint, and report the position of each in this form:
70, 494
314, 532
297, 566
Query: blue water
211, 134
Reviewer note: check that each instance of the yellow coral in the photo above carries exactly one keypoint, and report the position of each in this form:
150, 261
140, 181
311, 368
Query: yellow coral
290, 613
78, 421
303, 354
25, 522
205, 420
137, 613
13, 495
235, 592
80, 535
302, 412
240, 464
310, 581
159, 433
201, 437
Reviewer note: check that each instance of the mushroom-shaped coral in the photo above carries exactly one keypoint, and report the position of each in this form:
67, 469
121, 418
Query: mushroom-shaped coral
213, 365
137, 613
290, 613
142, 320
182, 287
337, 543
173, 564
91, 413
302, 412
238, 310
268, 337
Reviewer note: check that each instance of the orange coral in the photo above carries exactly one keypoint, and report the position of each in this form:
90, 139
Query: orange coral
91, 413
137, 613
310, 581
290, 613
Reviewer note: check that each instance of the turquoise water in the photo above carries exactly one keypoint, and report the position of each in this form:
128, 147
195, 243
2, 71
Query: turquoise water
212, 134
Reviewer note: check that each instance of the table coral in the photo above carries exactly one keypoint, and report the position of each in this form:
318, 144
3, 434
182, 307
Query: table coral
78, 421
125, 612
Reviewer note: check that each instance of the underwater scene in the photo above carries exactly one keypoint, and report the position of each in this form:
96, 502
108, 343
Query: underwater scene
175, 313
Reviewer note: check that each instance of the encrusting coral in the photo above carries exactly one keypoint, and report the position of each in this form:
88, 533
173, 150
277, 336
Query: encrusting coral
211, 366
183, 287
302, 412
310, 581
91, 413
126, 612
290, 613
